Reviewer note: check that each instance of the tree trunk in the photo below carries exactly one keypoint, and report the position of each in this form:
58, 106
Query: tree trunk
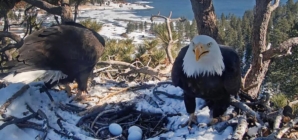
205, 18
259, 67
76, 12
78, 2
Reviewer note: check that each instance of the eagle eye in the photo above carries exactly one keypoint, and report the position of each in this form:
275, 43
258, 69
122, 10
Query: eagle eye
209, 44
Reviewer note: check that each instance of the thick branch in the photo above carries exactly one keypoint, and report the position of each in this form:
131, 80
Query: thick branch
56, 10
64, 10
13, 36
283, 49
275, 5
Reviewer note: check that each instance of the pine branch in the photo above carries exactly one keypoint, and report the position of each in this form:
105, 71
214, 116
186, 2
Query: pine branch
170, 43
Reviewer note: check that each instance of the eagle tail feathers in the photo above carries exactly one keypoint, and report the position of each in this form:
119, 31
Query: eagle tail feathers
30, 76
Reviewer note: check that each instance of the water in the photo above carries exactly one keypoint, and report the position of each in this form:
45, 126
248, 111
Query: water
184, 8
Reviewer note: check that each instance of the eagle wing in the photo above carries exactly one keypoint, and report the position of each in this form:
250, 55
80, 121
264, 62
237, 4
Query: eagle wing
61, 47
232, 72
177, 70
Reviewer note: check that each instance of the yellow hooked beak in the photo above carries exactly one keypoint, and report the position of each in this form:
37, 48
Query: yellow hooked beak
200, 50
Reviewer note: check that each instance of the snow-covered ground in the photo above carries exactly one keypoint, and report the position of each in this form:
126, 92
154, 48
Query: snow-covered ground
112, 28
38, 100
115, 19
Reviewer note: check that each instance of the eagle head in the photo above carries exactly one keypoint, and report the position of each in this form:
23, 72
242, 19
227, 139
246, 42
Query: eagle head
203, 57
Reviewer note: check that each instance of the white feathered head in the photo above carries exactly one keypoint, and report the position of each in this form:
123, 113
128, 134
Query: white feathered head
203, 57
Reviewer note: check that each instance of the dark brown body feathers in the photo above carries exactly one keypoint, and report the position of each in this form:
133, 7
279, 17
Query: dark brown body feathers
71, 48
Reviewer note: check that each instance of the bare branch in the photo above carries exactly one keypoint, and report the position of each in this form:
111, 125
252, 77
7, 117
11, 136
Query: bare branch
121, 63
56, 10
283, 49
170, 15
9, 101
13, 36
101, 69
134, 69
274, 6
168, 20
145, 70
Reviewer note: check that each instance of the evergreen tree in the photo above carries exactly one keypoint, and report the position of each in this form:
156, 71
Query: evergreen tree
141, 27
193, 29
129, 27
187, 29
145, 25
180, 33
136, 26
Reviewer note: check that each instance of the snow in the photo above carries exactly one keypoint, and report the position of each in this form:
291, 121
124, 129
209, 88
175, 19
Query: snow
115, 19
39, 100
113, 28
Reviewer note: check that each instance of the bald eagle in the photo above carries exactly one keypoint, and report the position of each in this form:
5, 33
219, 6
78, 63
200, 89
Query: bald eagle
58, 54
206, 70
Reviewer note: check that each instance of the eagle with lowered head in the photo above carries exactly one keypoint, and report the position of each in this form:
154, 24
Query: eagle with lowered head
59, 54
206, 70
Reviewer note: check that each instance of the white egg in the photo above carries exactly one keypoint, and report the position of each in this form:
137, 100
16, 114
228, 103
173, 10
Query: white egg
135, 128
134, 135
115, 129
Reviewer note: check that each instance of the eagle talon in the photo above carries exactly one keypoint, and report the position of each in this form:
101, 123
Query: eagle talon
192, 120
68, 88
81, 95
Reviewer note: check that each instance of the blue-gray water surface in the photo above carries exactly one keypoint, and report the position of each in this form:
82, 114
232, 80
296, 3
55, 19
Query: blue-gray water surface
183, 7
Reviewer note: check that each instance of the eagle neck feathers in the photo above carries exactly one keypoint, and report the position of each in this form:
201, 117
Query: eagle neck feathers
210, 65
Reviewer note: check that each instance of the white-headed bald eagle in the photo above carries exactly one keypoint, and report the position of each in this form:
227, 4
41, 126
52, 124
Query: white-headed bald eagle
58, 54
206, 70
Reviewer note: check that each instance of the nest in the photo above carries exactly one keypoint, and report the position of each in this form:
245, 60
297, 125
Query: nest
152, 124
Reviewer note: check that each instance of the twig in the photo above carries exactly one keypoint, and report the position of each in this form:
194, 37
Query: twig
16, 120
90, 112
160, 120
45, 89
133, 122
100, 129
100, 114
9, 101
131, 88
123, 118
70, 108
264, 101
101, 69
149, 61
32, 125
